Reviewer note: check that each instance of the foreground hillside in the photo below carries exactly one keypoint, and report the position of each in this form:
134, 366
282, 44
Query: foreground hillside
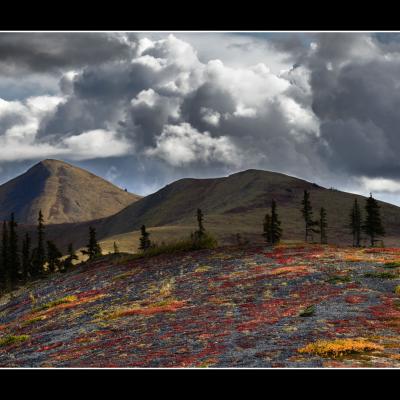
63, 192
229, 307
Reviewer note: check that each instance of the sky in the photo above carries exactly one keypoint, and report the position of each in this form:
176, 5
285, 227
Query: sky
143, 109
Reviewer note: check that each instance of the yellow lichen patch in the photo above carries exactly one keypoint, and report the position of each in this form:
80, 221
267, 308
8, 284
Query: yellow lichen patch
167, 287
169, 305
267, 294
339, 347
203, 268
397, 290
51, 304
207, 363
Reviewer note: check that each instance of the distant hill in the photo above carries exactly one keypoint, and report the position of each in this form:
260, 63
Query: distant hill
63, 192
233, 204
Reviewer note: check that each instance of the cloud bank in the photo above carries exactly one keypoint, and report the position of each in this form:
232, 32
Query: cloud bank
319, 106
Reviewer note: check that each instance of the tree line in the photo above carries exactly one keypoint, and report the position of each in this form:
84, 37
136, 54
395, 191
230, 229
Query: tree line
371, 225
22, 261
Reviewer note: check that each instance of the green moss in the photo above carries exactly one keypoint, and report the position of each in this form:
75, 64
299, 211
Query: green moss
32, 321
392, 264
339, 279
11, 339
380, 275
308, 311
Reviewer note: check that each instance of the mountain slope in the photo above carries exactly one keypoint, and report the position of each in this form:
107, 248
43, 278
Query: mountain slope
63, 192
233, 204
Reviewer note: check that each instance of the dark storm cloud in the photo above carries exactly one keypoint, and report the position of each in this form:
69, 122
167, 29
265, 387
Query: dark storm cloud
333, 109
356, 99
44, 52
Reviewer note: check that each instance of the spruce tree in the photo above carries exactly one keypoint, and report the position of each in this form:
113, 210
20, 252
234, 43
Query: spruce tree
276, 230
145, 242
267, 228
13, 250
116, 249
323, 225
53, 256
373, 224
26, 257
5, 260
39, 253
307, 212
93, 249
68, 262
355, 223
200, 230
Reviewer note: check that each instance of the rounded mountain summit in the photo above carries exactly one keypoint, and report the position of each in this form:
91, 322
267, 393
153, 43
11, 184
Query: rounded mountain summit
63, 192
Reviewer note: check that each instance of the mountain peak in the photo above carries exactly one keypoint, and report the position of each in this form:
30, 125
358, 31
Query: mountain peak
65, 193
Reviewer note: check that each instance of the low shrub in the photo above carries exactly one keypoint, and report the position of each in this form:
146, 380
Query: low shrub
11, 339
397, 290
339, 347
207, 241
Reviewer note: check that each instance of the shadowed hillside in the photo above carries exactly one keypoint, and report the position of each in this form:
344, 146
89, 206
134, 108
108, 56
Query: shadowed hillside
63, 192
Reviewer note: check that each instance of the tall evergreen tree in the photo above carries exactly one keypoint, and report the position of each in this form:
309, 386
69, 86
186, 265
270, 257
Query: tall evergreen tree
53, 256
323, 225
276, 230
355, 223
116, 249
5, 259
13, 250
39, 253
93, 249
307, 212
145, 242
373, 224
267, 228
200, 227
26, 257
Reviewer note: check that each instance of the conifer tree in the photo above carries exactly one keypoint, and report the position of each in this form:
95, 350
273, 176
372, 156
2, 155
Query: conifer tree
373, 224
200, 230
5, 260
307, 212
145, 242
53, 256
14, 263
68, 262
116, 249
355, 223
26, 257
39, 253
93, 249
276, 230
267, 228
323, 225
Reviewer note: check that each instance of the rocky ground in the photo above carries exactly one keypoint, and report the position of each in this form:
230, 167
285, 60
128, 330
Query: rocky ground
229, 307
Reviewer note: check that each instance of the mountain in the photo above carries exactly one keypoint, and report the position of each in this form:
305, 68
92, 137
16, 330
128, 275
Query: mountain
231, 205
63, 192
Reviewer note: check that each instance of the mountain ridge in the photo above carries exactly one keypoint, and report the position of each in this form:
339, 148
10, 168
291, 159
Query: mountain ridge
65, 193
